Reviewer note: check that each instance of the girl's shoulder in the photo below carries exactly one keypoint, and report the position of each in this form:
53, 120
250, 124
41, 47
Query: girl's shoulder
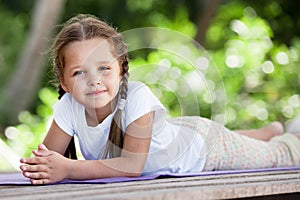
140, 101
66, 102
136, 86
140, 94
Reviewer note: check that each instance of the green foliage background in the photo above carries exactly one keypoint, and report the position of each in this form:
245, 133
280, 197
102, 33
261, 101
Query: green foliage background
257, 72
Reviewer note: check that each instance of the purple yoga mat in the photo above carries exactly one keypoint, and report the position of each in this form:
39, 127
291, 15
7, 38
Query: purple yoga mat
19, 179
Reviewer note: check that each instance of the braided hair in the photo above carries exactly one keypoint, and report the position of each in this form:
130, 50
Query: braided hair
114, 145
85, 27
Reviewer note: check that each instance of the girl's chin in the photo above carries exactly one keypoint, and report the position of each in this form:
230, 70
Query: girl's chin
95, 106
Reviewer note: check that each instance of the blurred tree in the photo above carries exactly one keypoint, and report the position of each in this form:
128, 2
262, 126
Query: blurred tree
283, 17
259, 69
25, 81
210, 9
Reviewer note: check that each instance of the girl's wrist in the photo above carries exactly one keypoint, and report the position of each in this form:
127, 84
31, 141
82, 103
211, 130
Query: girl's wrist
69, 167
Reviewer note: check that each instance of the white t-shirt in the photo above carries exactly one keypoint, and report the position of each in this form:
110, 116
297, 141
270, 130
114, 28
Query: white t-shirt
173, 149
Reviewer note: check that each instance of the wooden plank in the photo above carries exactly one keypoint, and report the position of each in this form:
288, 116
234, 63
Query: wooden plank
204, 187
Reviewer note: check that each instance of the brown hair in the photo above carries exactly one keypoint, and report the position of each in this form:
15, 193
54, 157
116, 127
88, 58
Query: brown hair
85, 27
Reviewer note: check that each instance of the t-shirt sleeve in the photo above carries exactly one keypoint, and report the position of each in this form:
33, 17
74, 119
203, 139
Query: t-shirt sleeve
141, 101
63, 115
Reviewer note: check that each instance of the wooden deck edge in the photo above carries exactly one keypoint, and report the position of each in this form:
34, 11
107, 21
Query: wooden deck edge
227, 186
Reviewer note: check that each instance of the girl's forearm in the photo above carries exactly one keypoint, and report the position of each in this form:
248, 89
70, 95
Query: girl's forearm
93, 169
50, 167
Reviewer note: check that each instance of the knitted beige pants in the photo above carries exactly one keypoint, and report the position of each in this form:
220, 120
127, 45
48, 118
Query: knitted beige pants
228, 150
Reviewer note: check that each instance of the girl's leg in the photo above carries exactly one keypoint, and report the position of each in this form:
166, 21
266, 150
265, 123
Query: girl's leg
264, 133
297, 135
235, 151
228, 150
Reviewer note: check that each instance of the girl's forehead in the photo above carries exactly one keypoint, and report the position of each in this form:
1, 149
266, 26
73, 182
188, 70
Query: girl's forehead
82, 51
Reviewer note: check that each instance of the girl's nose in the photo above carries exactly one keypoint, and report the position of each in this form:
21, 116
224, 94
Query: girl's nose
95, 81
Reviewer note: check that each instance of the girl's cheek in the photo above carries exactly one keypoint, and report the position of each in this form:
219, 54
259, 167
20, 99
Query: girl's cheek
78, 84
112, 85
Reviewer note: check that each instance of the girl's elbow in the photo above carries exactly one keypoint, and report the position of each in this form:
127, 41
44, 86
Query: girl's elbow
137, 171
135, 174
136, 166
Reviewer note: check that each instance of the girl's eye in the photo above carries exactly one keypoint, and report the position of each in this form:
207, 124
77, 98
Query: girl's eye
77, 73
103, 69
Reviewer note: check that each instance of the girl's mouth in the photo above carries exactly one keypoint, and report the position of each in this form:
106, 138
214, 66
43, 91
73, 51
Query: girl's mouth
95, 93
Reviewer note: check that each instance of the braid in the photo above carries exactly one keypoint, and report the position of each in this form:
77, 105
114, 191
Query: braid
115, 141
124, 86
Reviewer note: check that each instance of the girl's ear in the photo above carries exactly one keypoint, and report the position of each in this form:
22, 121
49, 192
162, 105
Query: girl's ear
64, 86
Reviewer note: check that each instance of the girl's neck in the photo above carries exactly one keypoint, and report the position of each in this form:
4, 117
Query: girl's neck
96, 116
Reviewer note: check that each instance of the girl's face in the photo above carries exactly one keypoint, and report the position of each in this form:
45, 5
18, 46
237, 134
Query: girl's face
91, 73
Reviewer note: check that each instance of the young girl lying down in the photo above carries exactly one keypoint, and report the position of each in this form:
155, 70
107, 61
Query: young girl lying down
121, 125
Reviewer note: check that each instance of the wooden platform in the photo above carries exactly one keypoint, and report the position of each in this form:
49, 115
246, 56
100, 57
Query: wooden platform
262, 185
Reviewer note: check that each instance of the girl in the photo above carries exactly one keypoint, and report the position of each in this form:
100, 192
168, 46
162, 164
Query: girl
121, 125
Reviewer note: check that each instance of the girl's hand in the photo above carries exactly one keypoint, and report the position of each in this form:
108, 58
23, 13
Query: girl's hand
45, 167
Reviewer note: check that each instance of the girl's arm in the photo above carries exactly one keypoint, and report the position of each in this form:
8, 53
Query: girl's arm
56, 139
133, 157
49, 166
